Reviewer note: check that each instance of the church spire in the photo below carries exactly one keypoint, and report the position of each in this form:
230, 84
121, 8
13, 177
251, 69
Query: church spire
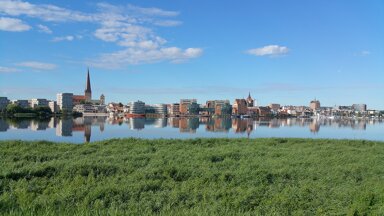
88, 86
88, 91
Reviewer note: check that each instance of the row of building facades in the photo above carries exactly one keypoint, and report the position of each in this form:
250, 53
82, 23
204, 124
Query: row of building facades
188, 107
68, 102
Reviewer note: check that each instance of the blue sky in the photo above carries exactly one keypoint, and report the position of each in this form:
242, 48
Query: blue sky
286, 52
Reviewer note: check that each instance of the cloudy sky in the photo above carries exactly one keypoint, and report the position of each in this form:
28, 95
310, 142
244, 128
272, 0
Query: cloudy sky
286, 52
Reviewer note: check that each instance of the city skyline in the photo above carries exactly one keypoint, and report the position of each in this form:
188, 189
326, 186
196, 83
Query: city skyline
160, 52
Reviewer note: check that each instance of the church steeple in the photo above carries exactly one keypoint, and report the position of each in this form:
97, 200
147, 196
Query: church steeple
88, 86
88, 91
249, 100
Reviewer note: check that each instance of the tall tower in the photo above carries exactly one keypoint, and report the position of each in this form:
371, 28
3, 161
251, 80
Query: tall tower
249, 100
102, 99
88, 91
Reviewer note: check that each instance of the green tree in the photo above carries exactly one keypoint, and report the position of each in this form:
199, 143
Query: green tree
14, 108
42, 110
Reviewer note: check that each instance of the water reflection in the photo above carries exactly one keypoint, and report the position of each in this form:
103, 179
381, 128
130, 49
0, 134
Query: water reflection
67, 126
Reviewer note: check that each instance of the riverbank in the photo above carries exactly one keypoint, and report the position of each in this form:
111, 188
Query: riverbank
193, 177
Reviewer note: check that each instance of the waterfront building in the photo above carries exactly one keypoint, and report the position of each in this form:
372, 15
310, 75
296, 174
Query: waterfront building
100, 108
210, 107
239, 107
174, 109
78, 99
219, 107
3, 103
137, 107
345, 108
35, 102
359, 107
83, 108
222, 107
264, 111
149, 109
102, 99
53, 106
160, 109
21, 103
117, 108
189, 107
64, 101
314, 105
250, 101
253, 111
274, 107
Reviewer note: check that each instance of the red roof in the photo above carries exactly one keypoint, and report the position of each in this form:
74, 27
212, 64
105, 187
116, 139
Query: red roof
78, 97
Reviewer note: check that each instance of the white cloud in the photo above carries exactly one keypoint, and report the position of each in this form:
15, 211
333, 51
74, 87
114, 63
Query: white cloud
44, 29
152, 11
128, 26
140, 56
63, 38
270, 50
167, 23
37, 65
8, 70
43, 11
12, 24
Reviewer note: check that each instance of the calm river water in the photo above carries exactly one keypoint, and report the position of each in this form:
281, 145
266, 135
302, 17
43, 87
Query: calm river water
85, 129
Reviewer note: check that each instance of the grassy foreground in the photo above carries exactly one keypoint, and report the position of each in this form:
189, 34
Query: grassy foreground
193, 177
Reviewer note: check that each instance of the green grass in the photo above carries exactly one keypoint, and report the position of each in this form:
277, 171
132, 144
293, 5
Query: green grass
193, 177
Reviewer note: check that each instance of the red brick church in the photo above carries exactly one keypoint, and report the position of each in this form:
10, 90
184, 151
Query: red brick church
87, 97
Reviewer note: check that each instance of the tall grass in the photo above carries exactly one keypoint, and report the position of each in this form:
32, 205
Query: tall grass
193, 177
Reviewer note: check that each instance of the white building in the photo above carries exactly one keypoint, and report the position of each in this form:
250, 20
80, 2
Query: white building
35, 102
64, 101
359, 107
174, 109
53, 106
84, 108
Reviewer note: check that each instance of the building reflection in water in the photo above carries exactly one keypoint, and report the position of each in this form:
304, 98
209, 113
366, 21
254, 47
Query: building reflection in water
136, 123
4, 126
174, 122
314, 127
188, 125
39, 124
66, 126
161, 122
218, 124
